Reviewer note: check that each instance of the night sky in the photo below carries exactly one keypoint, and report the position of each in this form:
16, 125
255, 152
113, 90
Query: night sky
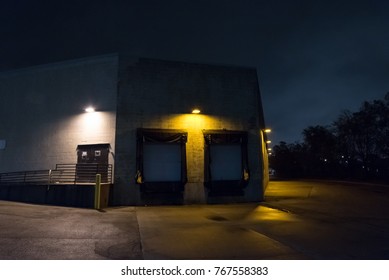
314, 58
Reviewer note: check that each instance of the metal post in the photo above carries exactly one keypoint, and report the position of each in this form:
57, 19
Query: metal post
49, 181
97, 191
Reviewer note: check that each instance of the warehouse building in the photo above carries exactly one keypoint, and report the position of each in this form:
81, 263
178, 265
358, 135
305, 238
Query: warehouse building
157, 131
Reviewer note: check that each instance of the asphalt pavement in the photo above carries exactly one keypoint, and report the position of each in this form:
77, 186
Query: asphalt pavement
297, 220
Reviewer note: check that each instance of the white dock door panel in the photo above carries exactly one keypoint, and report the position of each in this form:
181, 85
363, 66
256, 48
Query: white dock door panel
226, 162
161, 162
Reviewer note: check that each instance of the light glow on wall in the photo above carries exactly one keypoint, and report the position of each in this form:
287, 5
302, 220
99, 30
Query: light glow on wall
265, 160
94, 127
198, 122
92, 121
194, 124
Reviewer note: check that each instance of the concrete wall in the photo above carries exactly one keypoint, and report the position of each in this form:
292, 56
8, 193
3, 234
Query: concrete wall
161, 94
41, 111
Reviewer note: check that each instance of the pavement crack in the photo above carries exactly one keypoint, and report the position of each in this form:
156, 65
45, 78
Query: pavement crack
141, 247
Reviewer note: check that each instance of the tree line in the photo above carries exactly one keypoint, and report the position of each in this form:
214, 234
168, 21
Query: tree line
355, 146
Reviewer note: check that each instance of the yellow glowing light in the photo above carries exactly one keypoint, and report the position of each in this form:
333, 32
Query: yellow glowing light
268, 141
89, 109
196, 111
267, 130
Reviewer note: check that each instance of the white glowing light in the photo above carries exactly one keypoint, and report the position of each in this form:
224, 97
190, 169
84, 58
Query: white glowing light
89, 109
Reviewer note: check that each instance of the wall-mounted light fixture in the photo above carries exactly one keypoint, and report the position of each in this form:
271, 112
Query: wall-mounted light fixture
89, 109
267, 130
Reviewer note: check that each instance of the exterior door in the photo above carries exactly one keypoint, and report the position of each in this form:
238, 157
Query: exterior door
226, 164
162, 162
226, 169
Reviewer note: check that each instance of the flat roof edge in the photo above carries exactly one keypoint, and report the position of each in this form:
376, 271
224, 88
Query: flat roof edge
60, 64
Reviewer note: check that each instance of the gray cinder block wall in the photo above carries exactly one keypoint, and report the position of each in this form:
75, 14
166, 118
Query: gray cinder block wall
42, 118
161, 94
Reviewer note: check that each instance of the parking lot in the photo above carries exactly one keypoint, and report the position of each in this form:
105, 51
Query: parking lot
297, 220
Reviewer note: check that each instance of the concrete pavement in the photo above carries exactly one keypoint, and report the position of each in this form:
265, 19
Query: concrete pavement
335, 220
207, 232
160, 232
48, 232
297, 220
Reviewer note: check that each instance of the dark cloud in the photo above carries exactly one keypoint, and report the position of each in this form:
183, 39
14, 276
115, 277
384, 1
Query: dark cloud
314, 58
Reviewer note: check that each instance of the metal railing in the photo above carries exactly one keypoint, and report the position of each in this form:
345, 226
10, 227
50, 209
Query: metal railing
31, 177
63, 174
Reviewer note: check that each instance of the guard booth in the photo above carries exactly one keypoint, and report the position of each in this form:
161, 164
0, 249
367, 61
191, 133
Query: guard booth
92, 159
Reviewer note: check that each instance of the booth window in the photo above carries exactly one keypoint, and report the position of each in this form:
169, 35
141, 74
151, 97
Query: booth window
226, 169
161, 160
